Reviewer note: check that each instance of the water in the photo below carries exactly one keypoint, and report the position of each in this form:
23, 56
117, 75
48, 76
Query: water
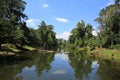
57, 66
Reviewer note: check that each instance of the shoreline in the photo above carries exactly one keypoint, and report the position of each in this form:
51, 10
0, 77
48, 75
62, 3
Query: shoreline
106, 54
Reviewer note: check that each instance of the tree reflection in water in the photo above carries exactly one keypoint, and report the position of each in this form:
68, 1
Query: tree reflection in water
109, 70
87, 68
81, 65
16, 68
73, 66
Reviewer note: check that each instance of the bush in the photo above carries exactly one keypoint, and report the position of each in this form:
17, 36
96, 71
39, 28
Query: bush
117, 46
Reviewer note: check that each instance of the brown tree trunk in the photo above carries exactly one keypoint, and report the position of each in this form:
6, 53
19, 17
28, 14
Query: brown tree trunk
111, 42
0, 46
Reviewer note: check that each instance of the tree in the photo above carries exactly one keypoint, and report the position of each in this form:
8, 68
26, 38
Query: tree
117, 1
47, 36
78, 33
11, 16
81, 34
110, 23
88, 31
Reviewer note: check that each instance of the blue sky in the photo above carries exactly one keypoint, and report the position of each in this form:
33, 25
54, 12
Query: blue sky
63, 14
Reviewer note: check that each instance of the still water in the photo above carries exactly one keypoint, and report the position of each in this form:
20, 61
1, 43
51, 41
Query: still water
59, 66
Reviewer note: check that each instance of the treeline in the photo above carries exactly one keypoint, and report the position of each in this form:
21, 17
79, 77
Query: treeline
81, 36
13, 27
108, 35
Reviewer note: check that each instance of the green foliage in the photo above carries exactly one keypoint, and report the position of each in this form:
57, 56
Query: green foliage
14, 30
109, 25
92, 42
61, 43
117, 46
9, 47
81, 35
11, 16
46, 36
29, 47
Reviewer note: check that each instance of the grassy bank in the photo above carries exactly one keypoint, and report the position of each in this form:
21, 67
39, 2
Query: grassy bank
109, 54
10, 49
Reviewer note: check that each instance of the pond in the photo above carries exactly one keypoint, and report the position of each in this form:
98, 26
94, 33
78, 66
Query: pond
59, 66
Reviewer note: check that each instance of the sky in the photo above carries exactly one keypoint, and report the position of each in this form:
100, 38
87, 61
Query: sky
63, 14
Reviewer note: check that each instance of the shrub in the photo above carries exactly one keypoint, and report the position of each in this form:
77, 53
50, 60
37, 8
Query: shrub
117, 46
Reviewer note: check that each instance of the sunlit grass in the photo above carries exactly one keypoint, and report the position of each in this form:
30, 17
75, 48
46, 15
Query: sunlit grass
106, 53
10, 47
29, 47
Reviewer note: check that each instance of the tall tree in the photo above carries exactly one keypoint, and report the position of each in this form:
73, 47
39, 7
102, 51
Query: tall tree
88, 31
109, 20
47, 36
80, 34
11, 16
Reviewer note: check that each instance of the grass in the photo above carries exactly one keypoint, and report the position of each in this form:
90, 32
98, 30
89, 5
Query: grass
29, 47
111, 54
12, 48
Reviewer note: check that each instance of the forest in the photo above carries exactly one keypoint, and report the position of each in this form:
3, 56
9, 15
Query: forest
13, 29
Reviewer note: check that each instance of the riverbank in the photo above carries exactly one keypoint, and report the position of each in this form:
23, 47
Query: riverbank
108, 54
10, 49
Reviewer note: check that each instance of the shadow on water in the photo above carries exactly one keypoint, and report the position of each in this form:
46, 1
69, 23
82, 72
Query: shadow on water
12, 59
13, 67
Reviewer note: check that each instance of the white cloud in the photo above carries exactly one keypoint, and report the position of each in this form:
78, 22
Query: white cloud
64, 35
95, 64
61, 19
111, 2
94, 32
60, 72
45, 6
63, 56
31, 68
32, 22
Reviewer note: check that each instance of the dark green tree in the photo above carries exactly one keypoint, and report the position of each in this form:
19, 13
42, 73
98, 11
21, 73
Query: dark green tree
11, 16
78, 33
47, 36
81, 34
110, 23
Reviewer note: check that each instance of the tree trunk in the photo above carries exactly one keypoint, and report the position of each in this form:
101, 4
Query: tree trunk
100, 46
44, 47
111, 42
0, 46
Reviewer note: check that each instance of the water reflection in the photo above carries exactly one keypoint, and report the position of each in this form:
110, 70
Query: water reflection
109, 70
25, 66
58, 66
33, 69
83, 66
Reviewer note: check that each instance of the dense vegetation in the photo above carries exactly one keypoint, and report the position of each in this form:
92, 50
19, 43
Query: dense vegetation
13, 29
108, 35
